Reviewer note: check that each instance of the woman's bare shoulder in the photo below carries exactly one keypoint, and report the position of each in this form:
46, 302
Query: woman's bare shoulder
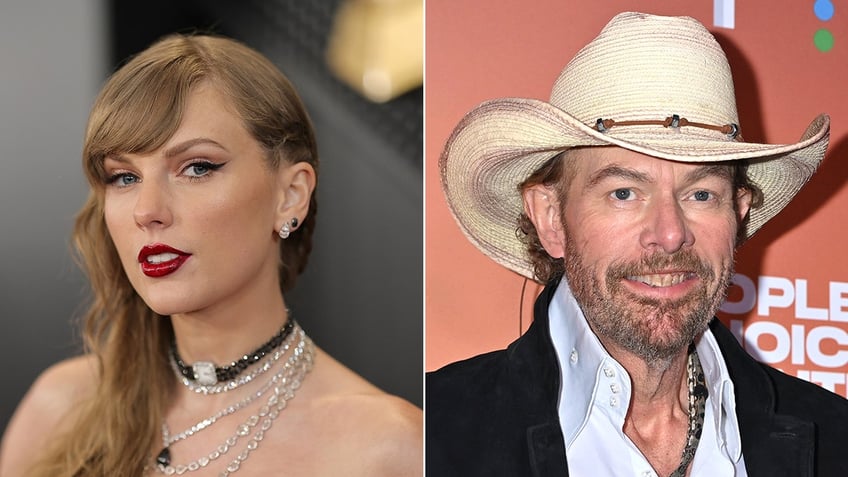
380, 433
379, 430
44, 409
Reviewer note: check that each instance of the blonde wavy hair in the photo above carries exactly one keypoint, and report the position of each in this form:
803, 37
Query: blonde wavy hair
137, 111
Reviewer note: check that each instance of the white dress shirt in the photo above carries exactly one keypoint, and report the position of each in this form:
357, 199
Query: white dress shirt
595, 395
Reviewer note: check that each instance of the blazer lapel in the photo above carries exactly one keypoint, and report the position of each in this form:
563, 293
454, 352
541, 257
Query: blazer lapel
535, 376
546, 448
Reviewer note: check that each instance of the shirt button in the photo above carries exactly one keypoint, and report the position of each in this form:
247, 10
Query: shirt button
615, 388
648, 473
574, 356
609, 372
613, 401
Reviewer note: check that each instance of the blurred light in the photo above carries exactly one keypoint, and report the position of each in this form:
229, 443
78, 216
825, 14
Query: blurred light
377, 46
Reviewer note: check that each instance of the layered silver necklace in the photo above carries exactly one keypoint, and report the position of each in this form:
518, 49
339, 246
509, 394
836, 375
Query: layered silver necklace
282, 387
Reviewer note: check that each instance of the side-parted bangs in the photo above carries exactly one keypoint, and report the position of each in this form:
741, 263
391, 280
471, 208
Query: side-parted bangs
141, 106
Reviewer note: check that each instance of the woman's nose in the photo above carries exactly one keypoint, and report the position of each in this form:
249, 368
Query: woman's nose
152, 207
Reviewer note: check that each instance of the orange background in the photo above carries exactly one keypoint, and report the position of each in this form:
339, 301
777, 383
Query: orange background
478, 50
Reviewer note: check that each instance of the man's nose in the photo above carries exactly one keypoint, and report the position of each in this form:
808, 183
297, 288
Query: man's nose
666, 226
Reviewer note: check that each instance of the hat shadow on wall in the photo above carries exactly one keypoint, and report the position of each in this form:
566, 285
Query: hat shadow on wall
825, 183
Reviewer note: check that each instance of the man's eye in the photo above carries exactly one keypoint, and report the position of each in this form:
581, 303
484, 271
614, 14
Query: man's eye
623, 194
702, 195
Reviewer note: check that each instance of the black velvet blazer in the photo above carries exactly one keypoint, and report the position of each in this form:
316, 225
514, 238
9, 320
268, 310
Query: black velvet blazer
496, 414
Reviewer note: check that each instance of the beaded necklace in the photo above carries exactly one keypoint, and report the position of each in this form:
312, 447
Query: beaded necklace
207, 374
260, 369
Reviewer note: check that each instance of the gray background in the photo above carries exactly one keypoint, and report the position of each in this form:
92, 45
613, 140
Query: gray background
361, 296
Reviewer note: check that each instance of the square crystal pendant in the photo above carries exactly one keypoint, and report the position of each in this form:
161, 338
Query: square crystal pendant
204, 373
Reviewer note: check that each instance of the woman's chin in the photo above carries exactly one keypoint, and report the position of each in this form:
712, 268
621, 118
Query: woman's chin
168, 306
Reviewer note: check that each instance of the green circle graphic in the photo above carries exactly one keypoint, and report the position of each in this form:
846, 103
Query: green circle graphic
823, 40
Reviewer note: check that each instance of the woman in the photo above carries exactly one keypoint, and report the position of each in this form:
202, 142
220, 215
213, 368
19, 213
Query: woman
202, 164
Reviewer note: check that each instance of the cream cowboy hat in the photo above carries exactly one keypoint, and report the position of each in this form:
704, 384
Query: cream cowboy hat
656, 85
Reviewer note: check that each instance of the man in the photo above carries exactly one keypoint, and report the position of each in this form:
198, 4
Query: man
630, 189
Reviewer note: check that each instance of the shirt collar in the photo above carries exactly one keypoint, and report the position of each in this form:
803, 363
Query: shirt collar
722, 395
583, 361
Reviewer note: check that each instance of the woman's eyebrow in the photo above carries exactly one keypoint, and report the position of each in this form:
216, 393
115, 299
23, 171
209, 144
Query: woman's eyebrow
186, 145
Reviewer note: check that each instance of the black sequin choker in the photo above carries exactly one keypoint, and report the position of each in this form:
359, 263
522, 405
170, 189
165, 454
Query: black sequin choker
207, 374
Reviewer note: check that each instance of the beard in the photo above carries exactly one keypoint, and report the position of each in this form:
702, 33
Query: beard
653, 329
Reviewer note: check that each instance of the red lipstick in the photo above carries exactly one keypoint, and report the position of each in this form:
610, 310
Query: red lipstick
158, 260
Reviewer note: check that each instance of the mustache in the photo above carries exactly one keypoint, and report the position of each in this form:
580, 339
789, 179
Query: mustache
659, 262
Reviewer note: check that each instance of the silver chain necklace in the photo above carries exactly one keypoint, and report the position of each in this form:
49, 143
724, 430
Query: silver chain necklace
169, 439
295, 370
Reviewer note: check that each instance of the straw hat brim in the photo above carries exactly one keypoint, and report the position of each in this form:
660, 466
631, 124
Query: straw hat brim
500, 143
